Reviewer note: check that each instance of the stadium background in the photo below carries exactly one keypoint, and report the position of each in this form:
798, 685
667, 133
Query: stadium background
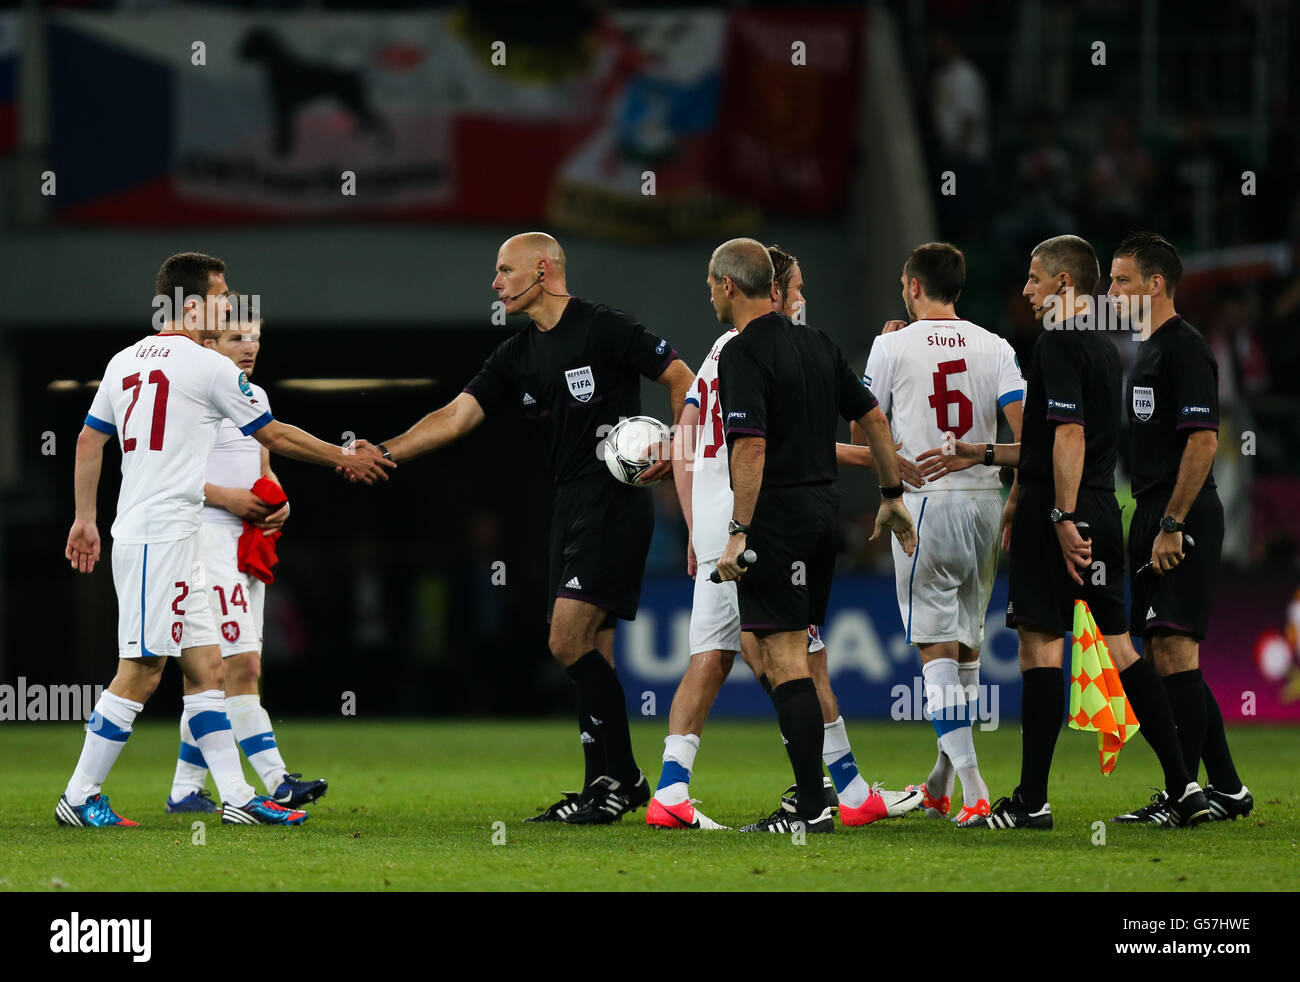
387, 592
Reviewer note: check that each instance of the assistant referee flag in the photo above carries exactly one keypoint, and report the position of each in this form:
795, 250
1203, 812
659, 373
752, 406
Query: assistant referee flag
1097, 699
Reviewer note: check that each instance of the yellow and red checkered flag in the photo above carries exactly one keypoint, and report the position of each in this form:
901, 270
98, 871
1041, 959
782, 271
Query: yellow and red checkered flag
1097, 699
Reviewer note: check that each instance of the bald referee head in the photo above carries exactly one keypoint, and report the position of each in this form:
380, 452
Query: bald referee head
530, 275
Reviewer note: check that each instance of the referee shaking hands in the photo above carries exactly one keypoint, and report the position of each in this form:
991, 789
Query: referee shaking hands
783, 390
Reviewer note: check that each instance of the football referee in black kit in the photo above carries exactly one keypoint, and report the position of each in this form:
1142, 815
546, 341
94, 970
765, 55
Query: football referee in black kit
1173, 407
784, 389
576, 367
1066, 540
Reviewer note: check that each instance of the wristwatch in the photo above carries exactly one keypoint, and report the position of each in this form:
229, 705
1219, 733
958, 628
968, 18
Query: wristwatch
1057, 516
988, 454
383, 450
1168, 524
735, 528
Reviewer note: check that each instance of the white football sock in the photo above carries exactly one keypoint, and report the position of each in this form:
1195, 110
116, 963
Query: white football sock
256, 738
679, 757
191, 768
205, 715
942, 777
968, 673
106, 733
946, 705
838, 756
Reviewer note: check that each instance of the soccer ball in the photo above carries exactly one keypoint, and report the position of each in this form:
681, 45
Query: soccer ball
624, 449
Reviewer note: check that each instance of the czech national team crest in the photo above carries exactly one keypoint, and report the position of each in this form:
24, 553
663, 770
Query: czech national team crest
230, 631
1144, 402
582, 384
177, 629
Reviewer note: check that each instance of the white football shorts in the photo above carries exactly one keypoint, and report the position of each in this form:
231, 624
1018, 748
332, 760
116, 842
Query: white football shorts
162, 605
715, 616
944, 586
237, 599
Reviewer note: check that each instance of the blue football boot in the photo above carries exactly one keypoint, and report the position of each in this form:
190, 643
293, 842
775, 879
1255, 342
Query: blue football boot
95, 813
294, 792
260, 811
195, 801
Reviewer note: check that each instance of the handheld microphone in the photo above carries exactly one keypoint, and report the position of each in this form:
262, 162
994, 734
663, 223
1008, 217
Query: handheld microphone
746, 559
1188, 543
540, 274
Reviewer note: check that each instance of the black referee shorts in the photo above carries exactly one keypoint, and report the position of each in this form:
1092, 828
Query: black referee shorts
794, 531
600, 535
1178, 602
1042, 594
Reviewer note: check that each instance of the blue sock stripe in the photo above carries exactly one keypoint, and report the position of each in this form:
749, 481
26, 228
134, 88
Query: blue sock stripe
257, 743
843, 771
102, 726
673, 773
192, 755
947, 723
208, 721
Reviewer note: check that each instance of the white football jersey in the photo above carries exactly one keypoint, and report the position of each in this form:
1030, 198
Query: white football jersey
711, 496
235, 462
164, 398
944, 376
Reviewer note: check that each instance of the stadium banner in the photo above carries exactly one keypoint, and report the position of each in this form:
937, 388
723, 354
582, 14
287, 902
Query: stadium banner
425, 116
9, 28
873, 669
788, 139
1249, 656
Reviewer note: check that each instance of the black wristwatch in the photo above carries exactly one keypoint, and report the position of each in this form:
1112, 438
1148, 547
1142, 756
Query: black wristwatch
1057, 516
895, 492
735, 528
988, 454
383, 450
1168, 524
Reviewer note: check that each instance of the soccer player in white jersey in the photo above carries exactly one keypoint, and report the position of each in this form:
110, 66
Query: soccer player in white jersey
238, 598
936, 376
704, 489
164, 398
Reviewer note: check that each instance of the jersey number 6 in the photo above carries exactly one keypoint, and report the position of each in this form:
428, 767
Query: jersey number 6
944, 397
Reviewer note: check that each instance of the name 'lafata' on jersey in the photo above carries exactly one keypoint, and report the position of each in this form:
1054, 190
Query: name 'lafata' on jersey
624, 448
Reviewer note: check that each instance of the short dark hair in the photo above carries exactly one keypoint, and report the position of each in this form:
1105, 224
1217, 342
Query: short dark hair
1073, 255
783, 265
941, 268
191, 271
1152, 254
244, 308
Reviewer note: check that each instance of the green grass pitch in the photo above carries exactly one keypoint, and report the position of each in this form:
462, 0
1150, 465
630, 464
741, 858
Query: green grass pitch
412, 806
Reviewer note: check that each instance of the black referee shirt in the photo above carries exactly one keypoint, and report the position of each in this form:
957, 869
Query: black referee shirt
1174, 390
791, 385
574, 378
1072, 377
